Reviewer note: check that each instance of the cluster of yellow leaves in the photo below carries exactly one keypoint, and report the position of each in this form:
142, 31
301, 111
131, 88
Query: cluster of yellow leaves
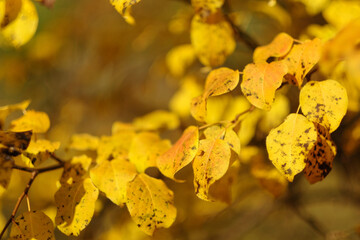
18, 22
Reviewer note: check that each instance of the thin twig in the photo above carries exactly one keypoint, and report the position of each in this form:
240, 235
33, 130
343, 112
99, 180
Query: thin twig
17, 205
39, 170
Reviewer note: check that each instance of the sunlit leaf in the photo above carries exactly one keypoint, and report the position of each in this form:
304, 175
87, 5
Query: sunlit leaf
111, 177
150, 203
158, 119
321, 156
83, 142
32, 225
179, 59
21, 29
324, 103
117, 145
145, 149
76, 205
212, 42
6, 110
210, 164
289, 144
38, 122
226, 134
75, 170
218, 82
206, 7
260, 81
180, 154
279, 47
124, 8
38, 151
301, 59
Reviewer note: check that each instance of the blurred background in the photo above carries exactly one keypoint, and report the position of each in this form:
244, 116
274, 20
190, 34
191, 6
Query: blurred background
87, 68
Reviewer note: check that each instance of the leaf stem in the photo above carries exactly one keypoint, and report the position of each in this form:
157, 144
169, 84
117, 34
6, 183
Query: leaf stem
38, 170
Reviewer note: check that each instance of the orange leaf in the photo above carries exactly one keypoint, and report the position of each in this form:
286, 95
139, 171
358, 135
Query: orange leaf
279, 47
221, 81
260, 81
180, 154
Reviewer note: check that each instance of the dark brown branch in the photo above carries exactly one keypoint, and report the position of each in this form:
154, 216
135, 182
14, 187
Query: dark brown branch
60, 161
39, 170
17, 205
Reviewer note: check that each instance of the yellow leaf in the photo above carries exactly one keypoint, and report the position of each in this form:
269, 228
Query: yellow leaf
289, 144
42, 145
111, 177
321, 156
226, 134
212, 42
180, 154
22, 28
221, 81
150, 203
145, 149
340, 13
158, 119
181, 101
279, 47
324, 103
123, 7
32, 225
210, 164
270, 179
260, 81
38, 122
121, 128
5, 170
114, 146
206, 7
76, 205
218, 82
198, 108
38, 151
179, 58
6, 110
301, 59
12, 9
83, 142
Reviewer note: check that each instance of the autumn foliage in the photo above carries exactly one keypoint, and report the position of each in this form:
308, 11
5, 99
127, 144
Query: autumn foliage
287, 111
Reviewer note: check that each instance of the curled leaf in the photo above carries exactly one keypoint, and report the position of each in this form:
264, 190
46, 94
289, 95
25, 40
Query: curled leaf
38, 122
150, 203
324, 103
289, 144
279, 47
